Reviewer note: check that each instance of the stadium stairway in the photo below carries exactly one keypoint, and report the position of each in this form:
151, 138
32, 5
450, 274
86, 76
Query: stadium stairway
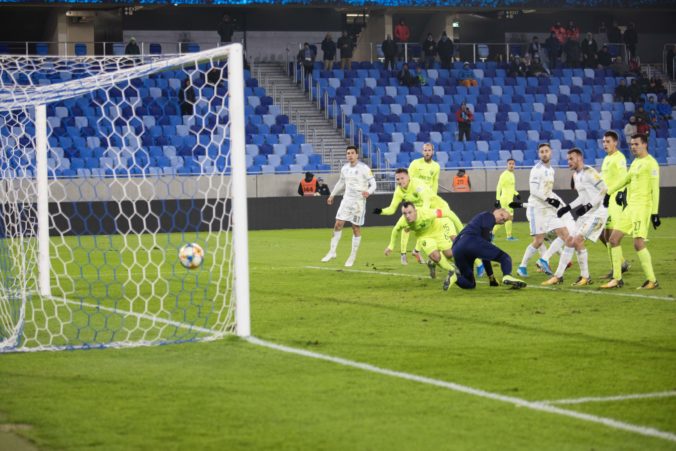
325, 139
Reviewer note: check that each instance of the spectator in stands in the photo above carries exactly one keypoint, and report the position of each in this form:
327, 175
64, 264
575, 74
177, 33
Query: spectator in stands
329, 50
614, 34
461, 183
650, 107
657, 87
589, 49
664, 109
306, 57
602, 28
420, 77
465, 117
445, 49
323, 188
429, 48
604, 58
671, 61
573, 52
536, 68
226, 28
672, 99
389, 48
186, 97
132, 47
642, 126
631, 39
466, 76
309, 186
405, 77
560, 32
553, 47
346, 46
517, 68
573, 31
630, 129
401, 32
619, 67
634, 91
622, 92
634, 65
534, 47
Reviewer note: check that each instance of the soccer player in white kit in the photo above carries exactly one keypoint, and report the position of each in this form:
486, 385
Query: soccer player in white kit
542, 206
357, 180
591, 209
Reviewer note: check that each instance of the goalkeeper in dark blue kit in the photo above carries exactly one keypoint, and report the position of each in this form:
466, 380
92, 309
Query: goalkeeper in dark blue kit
474, 241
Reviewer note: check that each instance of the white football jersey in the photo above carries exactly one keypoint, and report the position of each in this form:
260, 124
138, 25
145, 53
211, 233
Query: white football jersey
589, 186
355, 180
541, 183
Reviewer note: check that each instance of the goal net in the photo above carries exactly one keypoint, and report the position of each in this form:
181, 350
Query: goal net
108, 167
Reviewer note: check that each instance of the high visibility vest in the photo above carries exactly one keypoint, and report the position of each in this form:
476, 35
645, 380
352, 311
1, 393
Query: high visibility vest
309, 187
461, 184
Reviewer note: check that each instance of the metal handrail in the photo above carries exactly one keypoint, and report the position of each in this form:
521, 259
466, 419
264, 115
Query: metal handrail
101, 48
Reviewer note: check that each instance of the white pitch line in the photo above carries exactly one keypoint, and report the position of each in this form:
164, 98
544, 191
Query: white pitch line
536, 287
662, 394
537, 406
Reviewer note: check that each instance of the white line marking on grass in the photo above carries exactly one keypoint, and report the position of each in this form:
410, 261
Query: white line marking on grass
661, 394
536, 287
537, 406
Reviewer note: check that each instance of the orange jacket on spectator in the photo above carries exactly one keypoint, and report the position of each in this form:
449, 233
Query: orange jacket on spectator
560, 33
461, 184
402, 33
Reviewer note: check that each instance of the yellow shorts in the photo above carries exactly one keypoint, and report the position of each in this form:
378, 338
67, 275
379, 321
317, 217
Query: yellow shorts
614, 214
439, 238
634, 221
504, 203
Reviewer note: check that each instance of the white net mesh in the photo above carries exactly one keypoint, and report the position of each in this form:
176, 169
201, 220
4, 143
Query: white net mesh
138, 164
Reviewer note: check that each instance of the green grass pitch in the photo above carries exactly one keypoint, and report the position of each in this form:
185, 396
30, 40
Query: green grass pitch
534, 344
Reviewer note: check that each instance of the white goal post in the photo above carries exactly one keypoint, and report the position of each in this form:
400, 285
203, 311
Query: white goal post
108, 166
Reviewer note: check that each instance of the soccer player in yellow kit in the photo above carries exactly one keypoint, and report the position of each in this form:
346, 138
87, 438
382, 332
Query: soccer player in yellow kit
418, 193
505, 194
613, 170
426, 170
643, 196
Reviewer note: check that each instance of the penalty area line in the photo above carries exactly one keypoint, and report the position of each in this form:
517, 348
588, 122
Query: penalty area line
661, 394
532, 405
536, 287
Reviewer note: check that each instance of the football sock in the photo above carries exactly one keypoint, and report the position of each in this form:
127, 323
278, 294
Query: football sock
542, 250
610, 253
335, 239
566, 256
646, 264
583, 262
555, 247
356, 240
404, 240
508, 228
446, 263
495, 229
530, 251
617, 262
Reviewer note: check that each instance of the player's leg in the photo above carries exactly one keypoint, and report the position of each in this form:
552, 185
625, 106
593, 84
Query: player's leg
335, 239
403, 243
356, 241
566, 257
484, 250
614, 216
536, 228
561, 228
617, 257
641, 226
464, 274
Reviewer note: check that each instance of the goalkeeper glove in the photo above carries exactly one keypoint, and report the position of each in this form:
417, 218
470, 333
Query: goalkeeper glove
492, 282
497, 204
606, 200
563, 211
621, 198
556, 203
377, 211
582, 209
655, 219
516, 205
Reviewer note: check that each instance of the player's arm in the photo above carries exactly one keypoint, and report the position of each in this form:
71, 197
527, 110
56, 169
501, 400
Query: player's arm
621, 183
456, 221
397, 198
371, 184
398, 227
340, 186
655, 188
435, 179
